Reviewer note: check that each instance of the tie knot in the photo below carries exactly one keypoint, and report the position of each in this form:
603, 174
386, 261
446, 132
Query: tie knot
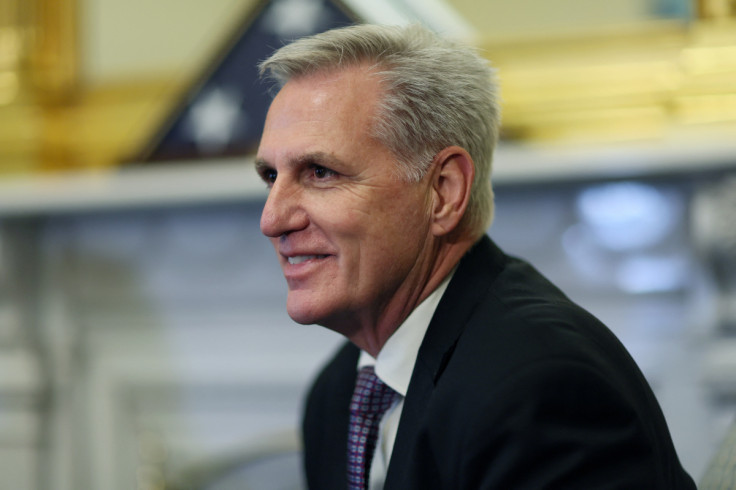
371, 396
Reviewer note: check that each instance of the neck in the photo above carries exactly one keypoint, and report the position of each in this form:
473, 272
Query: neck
372, 333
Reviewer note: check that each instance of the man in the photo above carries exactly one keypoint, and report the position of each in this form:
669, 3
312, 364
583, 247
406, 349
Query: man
377, 153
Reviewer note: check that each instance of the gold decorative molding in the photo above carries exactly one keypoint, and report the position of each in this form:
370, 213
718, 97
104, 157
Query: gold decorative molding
657, 81
39, 73
654, 81
106, 124
51, 120
53, 55
716, 9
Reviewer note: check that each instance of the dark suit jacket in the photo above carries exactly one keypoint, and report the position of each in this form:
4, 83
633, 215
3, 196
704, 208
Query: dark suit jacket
514, 387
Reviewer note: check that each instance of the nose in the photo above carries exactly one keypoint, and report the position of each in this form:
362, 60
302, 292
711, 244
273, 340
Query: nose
283, 212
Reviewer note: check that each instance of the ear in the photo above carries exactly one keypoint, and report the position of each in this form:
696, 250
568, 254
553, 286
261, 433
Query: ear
452, 179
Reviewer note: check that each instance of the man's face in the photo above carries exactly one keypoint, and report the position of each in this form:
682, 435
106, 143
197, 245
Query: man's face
352, 236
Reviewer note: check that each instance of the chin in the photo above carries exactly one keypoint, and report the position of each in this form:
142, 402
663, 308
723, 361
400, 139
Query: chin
307, 313
300, 317
302, 311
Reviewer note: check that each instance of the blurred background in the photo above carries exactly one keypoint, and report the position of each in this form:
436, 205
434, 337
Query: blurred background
143, 339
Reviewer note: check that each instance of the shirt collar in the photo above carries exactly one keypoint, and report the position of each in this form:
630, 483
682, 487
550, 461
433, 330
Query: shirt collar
395, 362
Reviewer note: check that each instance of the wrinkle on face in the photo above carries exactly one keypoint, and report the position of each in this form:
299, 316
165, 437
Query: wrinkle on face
375, 224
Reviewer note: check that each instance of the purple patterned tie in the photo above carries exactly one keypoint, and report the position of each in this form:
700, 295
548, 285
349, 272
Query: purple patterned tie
371, 399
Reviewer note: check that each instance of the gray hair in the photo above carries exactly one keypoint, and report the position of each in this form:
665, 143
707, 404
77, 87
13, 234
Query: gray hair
438, 93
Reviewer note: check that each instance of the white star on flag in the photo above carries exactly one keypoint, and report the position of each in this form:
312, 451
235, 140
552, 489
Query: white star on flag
212, 120
294, 18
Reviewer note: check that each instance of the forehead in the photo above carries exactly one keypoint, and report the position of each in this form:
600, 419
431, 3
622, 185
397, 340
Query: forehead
328, 112
346, 97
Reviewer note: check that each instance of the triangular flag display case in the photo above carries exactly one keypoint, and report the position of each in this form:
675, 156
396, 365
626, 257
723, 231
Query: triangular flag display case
222, 112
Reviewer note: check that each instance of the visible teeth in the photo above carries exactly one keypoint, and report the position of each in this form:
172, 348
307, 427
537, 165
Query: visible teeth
302, 258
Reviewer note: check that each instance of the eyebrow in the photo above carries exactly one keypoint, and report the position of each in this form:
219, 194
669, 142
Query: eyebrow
317, 157
262, 164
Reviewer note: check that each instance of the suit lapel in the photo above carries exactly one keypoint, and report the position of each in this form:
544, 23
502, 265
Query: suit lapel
470, 283
326, 422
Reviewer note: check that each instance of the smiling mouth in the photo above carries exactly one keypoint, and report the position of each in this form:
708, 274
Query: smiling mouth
298, 259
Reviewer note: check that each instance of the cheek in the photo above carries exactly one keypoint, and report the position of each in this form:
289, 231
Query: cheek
389, 222
411, 214
401, 224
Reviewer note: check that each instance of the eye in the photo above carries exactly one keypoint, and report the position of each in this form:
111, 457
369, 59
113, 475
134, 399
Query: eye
268, 175
321, 172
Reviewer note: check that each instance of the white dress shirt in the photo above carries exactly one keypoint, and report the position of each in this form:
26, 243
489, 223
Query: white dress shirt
394, 366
